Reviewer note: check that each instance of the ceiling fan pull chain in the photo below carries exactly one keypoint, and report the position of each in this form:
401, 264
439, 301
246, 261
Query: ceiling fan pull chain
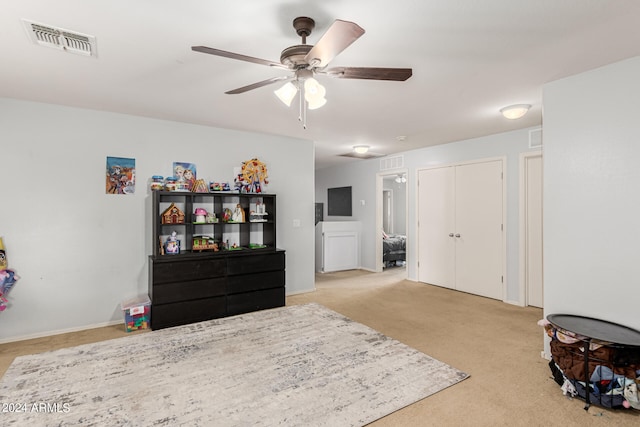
304, 109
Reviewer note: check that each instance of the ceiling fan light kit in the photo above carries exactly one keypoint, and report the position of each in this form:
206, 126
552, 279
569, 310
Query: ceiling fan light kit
286, 93
306, 61
513, 112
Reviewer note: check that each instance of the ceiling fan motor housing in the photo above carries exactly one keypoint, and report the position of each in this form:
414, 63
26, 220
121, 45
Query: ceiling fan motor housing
293, 56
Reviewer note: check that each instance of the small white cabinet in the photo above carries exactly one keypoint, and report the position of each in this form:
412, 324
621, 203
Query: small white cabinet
337, 246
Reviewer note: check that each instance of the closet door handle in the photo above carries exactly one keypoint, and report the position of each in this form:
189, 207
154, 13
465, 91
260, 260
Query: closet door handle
457, 235
450, 234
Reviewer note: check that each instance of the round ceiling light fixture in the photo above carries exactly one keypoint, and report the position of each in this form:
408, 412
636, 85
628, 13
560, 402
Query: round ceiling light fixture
360, 149
513, 112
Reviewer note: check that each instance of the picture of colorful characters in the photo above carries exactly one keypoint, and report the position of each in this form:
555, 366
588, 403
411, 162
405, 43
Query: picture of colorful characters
185, 172
121, 175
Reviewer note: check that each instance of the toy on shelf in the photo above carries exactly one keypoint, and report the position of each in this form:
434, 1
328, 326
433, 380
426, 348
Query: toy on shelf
226, 215
199, 186
173, 215
157, 183
204, 243
201, 216
172, 245
211, 218
231, 247
252, 177
170, 183
238, 214
258, 215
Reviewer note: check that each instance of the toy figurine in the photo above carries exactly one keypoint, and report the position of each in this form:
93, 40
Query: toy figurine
200, 214
172, 245
238, 214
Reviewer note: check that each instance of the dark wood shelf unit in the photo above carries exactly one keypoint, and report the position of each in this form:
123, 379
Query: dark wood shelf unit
194, 286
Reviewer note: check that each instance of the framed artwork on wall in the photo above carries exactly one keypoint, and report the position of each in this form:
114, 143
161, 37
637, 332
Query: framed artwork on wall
121, 175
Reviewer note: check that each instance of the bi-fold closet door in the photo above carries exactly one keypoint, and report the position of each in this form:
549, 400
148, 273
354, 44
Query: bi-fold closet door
460, 227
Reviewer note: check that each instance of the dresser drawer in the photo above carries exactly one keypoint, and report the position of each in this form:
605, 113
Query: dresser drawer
182, 291
255, 282
186, 270
256, 263
252, 301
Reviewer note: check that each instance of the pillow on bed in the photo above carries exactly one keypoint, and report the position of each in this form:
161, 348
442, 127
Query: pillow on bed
384, 235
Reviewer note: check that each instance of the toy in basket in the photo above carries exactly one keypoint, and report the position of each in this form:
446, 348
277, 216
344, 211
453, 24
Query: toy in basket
137, 313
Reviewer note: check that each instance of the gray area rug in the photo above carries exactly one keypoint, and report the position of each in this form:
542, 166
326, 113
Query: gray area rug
299, 365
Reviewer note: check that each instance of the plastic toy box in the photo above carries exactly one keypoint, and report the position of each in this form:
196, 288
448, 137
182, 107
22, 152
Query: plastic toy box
137, 313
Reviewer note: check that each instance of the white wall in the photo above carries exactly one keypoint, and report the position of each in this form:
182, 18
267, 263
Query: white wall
79, 251
361, 176
592, 194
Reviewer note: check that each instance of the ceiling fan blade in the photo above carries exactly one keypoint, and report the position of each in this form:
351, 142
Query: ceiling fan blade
370, 73
258, 84
336, 39
224, 53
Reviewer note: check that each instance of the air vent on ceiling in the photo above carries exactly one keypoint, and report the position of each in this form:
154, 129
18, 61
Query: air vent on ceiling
367, 155
58, 38
394, 162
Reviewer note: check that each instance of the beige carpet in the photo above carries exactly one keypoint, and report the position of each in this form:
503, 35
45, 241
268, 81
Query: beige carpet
301, 365
498, 343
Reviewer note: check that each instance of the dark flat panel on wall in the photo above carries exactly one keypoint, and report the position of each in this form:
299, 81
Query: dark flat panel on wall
339, 201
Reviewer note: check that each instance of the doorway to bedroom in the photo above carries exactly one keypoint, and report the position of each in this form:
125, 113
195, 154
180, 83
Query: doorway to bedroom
391, 220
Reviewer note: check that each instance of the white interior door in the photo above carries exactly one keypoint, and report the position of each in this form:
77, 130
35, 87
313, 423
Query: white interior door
478, 228
436, 244
533, 230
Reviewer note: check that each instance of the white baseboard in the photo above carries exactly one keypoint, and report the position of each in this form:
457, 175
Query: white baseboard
306, 291
62, 331
513, 302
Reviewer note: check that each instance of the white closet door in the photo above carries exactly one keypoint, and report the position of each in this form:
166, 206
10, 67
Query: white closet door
478, 222
436, 263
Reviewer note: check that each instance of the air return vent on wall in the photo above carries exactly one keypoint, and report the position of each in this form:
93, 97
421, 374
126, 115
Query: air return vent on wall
394, 162
58, 38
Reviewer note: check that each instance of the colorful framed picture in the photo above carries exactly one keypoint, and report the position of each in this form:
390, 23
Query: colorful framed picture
121, 175
185, 172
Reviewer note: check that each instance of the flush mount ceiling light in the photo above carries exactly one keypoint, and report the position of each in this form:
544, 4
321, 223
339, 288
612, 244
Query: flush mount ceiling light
360, 149
513, 112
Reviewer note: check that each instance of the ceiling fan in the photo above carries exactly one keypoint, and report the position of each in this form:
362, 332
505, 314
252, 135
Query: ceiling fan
308, 60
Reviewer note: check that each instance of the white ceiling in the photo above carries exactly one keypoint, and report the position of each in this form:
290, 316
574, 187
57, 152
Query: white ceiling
469, 59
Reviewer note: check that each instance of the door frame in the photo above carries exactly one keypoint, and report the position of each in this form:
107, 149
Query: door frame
522, 203
379, 187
